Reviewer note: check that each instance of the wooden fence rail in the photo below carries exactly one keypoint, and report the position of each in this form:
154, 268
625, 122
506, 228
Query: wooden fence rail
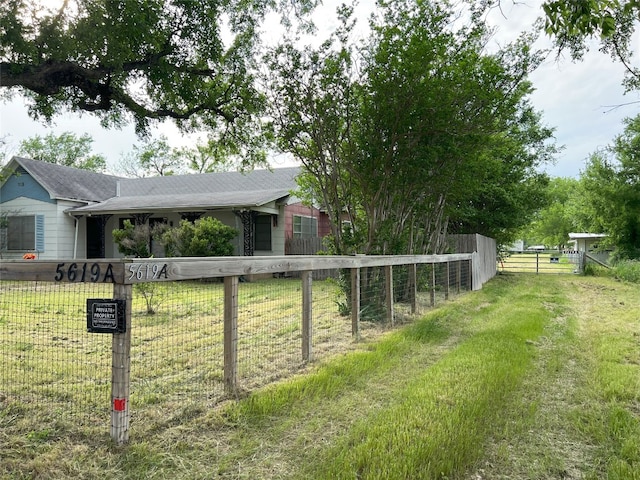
124, 273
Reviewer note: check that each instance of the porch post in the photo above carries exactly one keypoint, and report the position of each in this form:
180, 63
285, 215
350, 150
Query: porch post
102, 225
248, 226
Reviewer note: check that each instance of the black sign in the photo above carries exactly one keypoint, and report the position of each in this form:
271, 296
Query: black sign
106, 316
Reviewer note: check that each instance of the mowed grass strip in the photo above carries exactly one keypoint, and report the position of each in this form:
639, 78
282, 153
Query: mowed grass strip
609, 414
436, 424
419, 404
577, 415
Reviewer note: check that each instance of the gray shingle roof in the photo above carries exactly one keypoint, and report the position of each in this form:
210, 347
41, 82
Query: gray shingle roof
196, 191
70, 183
197, 201
277, 179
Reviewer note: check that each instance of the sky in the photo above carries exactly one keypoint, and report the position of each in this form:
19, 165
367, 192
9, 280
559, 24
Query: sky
583, 100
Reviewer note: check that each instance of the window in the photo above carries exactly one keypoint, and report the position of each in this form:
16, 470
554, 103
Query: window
305, 227
23, 232
263, 233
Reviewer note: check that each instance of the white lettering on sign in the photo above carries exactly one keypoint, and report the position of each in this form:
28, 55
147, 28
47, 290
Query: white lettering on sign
104, 315
147, 271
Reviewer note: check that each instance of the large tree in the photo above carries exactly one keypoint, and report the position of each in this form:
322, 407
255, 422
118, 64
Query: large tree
65, 149
152, 158
155, 157
184, 60
611, 185
409, 133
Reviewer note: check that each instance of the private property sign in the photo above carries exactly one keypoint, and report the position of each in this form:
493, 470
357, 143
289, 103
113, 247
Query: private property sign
106, 316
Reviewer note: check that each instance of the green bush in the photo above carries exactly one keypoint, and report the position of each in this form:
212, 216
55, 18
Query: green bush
133, 241
206, 237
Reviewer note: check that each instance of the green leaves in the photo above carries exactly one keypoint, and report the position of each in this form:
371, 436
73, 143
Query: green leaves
66, 149
611, 185
412, 131
572, 22
143, 61
206, 237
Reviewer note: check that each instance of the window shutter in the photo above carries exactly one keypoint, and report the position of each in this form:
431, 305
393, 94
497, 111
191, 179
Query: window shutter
40, 233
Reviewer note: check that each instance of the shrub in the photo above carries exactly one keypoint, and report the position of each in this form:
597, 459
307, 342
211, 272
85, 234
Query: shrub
133, 241
206, 237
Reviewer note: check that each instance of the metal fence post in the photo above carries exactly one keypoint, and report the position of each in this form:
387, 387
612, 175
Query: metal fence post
307, 316
355, 303
230, 333
120, 370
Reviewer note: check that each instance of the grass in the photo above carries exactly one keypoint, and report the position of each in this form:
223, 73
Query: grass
611, 413
534, 377
627, 270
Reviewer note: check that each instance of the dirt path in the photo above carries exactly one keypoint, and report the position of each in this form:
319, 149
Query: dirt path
540, 441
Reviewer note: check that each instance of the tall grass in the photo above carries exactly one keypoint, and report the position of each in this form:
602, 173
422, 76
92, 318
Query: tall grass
627, 270
438, 423
610, 413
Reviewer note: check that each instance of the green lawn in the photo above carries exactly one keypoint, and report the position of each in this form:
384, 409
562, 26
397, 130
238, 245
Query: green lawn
533, 377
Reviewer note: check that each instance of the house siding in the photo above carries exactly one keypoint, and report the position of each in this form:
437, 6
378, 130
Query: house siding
277, 236
22, 185
29, 206
324, 226
65, 231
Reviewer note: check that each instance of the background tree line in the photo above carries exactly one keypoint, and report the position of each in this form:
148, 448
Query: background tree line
604, 199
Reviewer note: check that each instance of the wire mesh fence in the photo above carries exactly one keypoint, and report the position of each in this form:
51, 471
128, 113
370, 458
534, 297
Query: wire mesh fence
176, 345
50, 365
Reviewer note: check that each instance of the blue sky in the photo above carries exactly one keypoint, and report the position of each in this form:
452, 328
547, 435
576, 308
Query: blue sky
576, 98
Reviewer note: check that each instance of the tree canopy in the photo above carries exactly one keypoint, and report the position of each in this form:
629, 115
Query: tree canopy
562, 215
416, 132
188, 61
614, 22
611, 188
155, 157
65, 149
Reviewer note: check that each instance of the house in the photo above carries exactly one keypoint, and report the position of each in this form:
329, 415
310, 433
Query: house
588, 243
585, 242
62, 212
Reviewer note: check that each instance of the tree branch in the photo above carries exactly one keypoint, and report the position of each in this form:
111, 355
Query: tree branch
51, 78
